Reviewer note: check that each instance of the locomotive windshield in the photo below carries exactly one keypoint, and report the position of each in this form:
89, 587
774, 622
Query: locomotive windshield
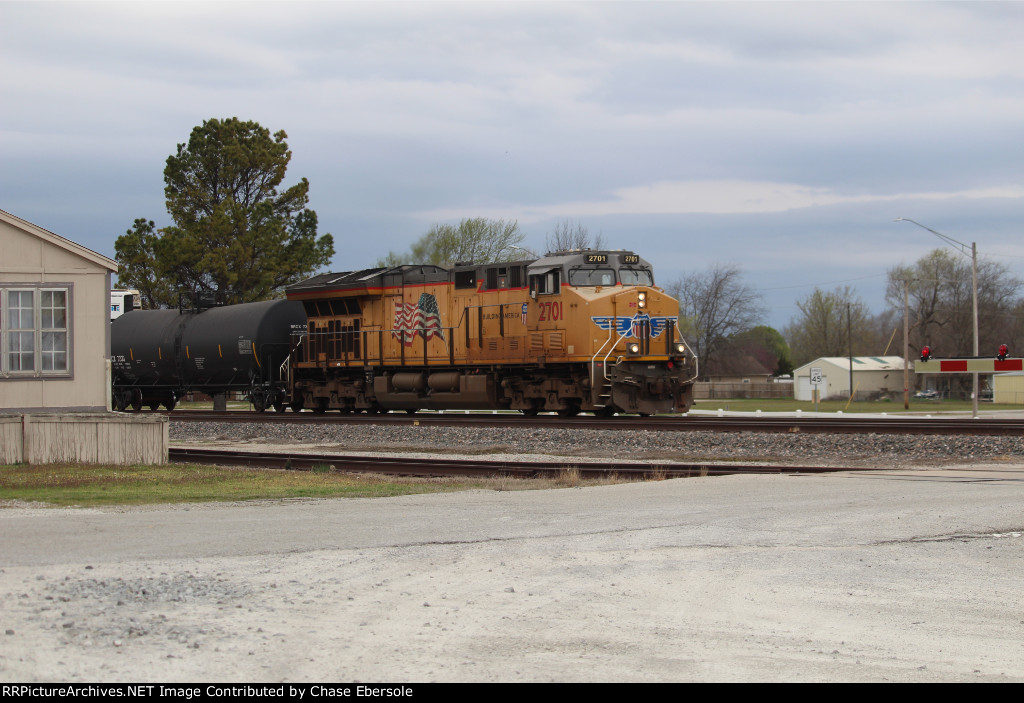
606, 277
592, 277
636, 277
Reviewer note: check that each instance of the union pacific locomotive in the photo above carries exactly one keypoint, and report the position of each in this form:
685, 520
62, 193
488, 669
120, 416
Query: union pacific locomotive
572, 331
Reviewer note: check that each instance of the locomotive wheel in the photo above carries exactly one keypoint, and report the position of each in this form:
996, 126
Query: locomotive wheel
412, 411
571, 411
535, 405
606, 411
136, 401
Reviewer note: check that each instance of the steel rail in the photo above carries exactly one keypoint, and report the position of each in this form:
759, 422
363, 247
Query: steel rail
481, 467
845, 424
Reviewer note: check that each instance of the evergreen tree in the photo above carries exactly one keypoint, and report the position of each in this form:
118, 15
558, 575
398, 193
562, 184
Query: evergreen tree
234, 233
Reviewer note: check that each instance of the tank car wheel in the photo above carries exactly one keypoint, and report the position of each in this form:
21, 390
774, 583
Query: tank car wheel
529, 412
321, 405
412, 411
136, 401
154, 406
279, 406
169, 404
259, 403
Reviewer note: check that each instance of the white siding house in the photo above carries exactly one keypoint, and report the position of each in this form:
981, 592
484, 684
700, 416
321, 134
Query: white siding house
54, 321
54, 356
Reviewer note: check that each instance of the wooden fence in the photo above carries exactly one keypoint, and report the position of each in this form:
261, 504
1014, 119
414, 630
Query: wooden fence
83, 438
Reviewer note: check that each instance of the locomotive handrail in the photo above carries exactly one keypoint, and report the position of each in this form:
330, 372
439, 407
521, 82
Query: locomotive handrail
362, 352
604, 361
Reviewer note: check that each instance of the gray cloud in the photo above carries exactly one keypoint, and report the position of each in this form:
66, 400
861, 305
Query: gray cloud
768, 134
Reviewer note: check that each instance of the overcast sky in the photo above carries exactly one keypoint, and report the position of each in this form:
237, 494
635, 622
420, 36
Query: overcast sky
783, 138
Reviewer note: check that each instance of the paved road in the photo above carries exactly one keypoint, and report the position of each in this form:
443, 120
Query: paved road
903, 576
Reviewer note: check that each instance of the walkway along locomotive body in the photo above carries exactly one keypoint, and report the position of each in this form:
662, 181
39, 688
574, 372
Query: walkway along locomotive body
158, 355
570, 332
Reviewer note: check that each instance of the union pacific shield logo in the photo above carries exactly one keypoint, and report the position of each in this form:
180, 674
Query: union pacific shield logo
631, 326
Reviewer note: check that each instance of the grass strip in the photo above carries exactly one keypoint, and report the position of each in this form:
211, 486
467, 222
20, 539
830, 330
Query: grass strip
71, 485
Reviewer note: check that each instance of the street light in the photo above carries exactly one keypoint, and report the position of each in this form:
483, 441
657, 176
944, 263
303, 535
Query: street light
974, 286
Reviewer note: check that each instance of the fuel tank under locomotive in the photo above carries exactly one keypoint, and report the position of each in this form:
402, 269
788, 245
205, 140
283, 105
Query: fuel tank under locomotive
157, 355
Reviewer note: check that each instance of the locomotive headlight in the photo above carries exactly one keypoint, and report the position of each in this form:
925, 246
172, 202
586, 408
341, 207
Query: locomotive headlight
643, 299
680, 348
633, 348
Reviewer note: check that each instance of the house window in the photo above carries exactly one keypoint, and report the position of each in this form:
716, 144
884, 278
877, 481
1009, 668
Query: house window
34, 331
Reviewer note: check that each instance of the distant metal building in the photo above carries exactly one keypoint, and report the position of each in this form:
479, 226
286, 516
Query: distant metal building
872, 376
1008, 388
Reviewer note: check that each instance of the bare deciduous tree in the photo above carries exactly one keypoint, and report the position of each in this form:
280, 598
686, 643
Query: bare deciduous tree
713, 305
941, 304
569, 236
825, 324
477, 239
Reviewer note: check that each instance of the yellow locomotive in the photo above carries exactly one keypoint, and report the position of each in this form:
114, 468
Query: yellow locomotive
572, 331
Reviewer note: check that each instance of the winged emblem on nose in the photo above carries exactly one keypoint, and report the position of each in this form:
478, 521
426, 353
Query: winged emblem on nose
630, 326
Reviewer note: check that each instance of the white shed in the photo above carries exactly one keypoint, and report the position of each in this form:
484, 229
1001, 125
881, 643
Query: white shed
871, 374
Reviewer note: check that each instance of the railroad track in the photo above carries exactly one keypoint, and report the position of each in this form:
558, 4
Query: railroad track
481, 467
752, 423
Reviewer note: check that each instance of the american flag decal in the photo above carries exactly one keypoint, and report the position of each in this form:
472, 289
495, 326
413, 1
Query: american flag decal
422, 318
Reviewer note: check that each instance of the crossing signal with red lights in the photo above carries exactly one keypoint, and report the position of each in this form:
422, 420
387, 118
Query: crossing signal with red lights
1004, 351
926, 352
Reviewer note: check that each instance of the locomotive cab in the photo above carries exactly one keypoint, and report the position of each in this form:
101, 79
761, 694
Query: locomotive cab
637, 361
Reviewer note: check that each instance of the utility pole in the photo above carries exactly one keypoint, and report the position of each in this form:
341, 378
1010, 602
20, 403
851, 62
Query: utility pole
906, 344
974, 284
849, 349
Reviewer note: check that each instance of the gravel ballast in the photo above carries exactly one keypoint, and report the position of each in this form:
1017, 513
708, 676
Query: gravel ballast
830, 449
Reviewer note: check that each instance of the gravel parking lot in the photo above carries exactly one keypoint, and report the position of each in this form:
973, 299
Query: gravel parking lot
907, 575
